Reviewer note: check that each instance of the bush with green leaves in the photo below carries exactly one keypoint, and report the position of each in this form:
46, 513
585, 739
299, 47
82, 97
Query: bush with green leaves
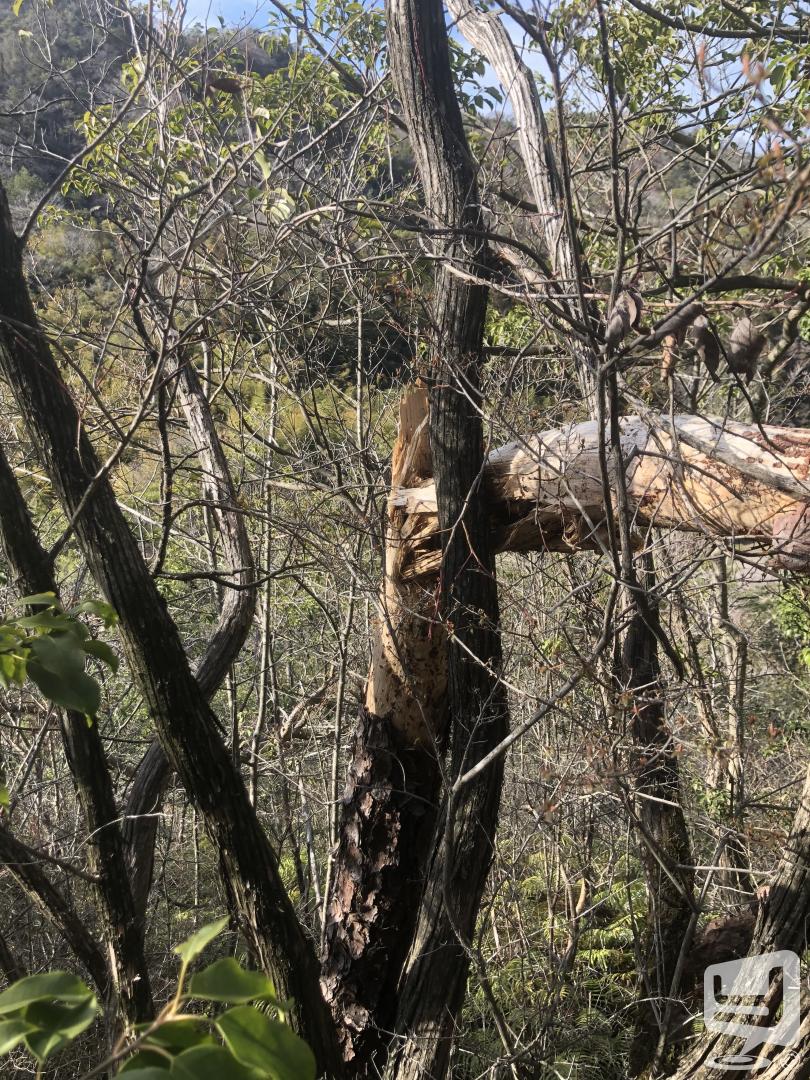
217, 1026
51, 648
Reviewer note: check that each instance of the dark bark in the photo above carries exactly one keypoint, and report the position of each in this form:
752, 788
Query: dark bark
9, 964
434, 981
185, 724
236, 615
663, 844
388, 815
388, 811
24, 866
32, 573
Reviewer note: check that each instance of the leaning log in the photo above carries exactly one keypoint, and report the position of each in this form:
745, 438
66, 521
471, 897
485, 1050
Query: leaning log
722, 479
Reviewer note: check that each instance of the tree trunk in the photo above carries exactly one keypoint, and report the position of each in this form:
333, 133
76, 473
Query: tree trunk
186, 726
719, 478
388, 810
24, 866
664, 847
235, 619
435, 976
486, 32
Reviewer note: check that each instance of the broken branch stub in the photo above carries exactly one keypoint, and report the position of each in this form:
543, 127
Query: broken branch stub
744, 346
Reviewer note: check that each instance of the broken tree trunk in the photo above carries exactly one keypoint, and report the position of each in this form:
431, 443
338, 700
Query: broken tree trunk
719, 478
389, 807
434, 978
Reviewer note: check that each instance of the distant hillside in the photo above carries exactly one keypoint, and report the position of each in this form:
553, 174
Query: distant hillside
57, 61
54, 61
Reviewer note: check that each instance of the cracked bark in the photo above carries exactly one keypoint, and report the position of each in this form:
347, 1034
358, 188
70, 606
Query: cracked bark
388, 809
435, 975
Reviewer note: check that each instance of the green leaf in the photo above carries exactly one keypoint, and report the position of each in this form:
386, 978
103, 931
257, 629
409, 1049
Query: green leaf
145, 1059
54, 984
57, 1025
5, 798
106, 612
12, 669
47, 598
263, 164
81, 693
151, 1072
227, 980
15, 7
262, 1043
45, 620
12, 1032
193, 946
210, 1063
177, 1035
60, 654
102, 651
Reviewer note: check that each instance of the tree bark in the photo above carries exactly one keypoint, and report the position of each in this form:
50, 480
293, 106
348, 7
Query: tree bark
129, 976
486, 32
664, 846
435, 975
186, 725
388, 810
25, 868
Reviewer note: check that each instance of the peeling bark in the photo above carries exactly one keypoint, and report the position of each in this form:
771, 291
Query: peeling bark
435, 975
388, 810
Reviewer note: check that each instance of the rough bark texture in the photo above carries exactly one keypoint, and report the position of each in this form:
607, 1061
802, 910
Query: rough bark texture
129, 976
388, 810
434, 979
186, 726
235, 618
719, 478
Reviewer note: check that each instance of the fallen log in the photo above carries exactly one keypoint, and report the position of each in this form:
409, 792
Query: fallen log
723, 479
